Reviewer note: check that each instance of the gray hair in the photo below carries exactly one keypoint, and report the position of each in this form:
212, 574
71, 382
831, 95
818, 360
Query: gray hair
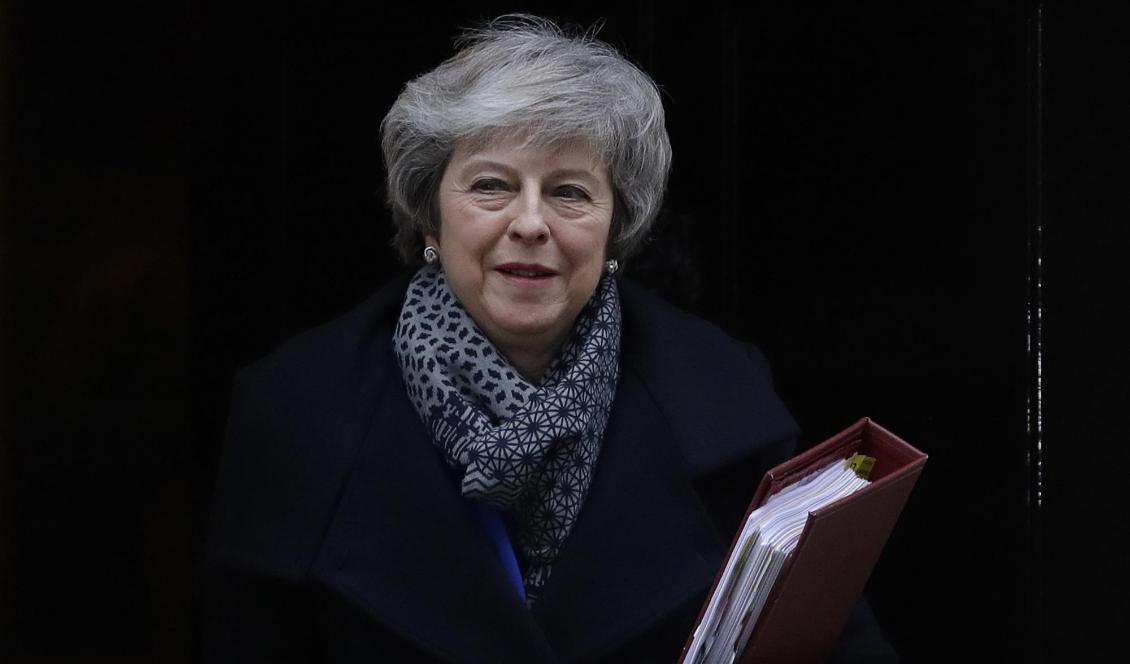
524, 73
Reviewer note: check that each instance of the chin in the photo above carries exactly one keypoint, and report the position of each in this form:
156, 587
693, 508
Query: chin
532, 323
528, 327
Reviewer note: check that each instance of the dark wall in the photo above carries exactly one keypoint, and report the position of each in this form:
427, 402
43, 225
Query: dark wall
915, 213
98, 472
1086, 377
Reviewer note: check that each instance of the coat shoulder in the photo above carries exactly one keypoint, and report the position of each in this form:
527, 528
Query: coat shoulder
295, 421
716, 391
327, 357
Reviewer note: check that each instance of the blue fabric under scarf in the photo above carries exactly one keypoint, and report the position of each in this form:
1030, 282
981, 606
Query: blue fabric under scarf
496, 530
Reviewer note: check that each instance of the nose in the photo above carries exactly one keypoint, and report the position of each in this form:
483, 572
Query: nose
528, 225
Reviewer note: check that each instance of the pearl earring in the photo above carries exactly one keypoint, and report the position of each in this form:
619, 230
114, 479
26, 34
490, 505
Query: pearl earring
612, 265
430, 254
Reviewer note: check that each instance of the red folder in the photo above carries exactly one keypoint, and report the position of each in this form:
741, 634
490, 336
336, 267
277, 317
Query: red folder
825, 576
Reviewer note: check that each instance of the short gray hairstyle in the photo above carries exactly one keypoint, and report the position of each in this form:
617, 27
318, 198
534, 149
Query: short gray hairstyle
524, 73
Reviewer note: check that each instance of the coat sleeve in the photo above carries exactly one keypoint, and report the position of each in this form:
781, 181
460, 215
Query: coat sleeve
295, 422
254, 609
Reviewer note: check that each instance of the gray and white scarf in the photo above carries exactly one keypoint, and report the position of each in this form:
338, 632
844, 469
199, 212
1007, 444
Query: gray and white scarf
526, 449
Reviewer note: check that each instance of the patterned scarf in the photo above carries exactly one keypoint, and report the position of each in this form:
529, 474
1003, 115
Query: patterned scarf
526, 449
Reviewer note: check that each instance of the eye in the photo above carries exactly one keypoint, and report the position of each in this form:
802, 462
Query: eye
489, 185
571, 192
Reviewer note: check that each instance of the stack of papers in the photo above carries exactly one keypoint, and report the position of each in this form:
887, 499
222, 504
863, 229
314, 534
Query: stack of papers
769, 536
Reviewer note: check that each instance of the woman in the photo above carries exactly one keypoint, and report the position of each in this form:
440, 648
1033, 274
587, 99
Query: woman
511, 454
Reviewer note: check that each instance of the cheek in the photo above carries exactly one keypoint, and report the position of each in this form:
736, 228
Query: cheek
587, 262
474, 246
465, 238
588, 248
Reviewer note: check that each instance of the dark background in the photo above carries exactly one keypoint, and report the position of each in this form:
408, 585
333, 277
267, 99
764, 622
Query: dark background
916, 213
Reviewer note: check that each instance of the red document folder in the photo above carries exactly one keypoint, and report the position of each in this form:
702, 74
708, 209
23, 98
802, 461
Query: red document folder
825, 576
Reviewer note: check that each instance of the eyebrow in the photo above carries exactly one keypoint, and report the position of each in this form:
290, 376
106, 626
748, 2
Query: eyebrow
560, 172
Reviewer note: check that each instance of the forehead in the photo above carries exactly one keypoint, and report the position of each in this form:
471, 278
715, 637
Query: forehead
517, 151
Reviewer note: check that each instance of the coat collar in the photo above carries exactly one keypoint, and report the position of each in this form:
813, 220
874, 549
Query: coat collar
406, 547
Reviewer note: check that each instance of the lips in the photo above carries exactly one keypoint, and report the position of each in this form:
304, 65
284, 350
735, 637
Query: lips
526, 270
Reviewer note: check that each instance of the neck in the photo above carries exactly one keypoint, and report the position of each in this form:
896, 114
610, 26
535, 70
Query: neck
531, 357
531, 365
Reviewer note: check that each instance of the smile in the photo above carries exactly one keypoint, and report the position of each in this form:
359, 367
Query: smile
525, 271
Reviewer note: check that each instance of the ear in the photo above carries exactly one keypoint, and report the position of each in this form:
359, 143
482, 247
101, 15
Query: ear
431, 240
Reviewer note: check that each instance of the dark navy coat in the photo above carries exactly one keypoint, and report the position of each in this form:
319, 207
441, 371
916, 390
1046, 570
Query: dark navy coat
338, 533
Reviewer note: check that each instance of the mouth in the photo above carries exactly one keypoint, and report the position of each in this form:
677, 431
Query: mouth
526, 270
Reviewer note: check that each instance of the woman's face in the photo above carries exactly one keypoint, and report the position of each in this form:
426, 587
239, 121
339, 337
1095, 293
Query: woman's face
522, 238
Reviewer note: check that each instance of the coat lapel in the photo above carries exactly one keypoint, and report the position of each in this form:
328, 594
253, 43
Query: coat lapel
643, 547
406, 547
